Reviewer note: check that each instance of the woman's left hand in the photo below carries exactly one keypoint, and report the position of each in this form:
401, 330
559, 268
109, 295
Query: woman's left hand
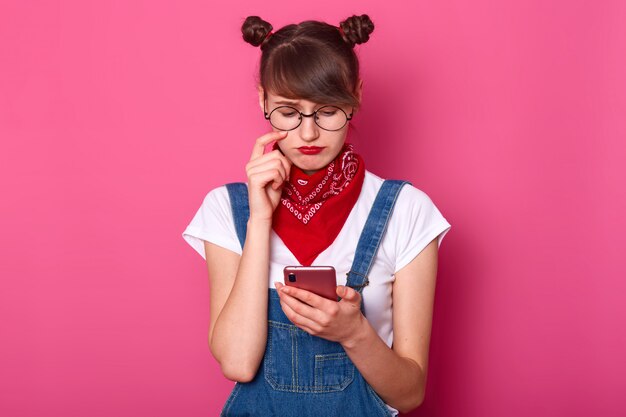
338, 321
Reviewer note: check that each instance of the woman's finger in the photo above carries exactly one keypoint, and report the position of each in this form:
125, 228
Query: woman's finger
259, 146
300, 307
264, 177
266, 165
275, 154
270, 166
298, 319
308, 297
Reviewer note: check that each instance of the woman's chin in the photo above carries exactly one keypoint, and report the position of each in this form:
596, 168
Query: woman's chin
309, 162
310, 170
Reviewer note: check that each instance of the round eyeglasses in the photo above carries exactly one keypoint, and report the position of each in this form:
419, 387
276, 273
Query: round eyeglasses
289, 118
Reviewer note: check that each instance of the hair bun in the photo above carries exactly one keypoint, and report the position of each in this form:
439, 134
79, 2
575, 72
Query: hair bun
357, 29
255, 30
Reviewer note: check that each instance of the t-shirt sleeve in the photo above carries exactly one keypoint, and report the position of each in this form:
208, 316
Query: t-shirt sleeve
214, 223
415, 222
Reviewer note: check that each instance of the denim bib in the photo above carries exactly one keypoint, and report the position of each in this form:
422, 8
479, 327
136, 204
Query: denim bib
302, 375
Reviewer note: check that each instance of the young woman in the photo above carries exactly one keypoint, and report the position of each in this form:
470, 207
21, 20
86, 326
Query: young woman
310, 201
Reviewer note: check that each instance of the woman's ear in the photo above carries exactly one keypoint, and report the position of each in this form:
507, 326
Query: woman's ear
359, 93
261, 97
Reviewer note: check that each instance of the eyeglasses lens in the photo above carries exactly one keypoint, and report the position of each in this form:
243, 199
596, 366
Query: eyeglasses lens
327, 117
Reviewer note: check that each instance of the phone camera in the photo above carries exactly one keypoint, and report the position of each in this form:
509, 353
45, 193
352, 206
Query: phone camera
292, 277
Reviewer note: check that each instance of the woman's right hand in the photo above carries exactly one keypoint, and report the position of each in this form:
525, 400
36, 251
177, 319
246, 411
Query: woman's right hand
266, 176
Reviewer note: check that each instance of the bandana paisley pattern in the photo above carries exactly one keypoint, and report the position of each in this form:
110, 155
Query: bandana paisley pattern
313, 208
332, 184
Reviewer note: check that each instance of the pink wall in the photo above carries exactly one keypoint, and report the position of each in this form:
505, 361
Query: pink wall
117, 117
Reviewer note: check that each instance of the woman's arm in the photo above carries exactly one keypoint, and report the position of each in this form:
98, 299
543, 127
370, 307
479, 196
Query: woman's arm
397, 374
238, 298
238, 284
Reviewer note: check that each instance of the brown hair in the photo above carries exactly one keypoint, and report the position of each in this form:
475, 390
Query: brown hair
311, 60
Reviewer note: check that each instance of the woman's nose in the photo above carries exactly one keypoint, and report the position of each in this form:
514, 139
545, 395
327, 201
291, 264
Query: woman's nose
309, 130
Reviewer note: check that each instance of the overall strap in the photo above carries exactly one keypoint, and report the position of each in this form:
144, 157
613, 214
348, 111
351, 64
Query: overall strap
238, 194
370, 238
372, 233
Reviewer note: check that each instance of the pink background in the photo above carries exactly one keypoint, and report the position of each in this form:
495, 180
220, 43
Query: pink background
117, 117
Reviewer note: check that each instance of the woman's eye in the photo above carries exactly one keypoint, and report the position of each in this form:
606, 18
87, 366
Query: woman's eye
329, 112
288, 114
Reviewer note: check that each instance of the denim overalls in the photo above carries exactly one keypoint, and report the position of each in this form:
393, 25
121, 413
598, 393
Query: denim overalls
303, 375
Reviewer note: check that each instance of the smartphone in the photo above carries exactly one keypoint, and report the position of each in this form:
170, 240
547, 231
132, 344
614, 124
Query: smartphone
320, 280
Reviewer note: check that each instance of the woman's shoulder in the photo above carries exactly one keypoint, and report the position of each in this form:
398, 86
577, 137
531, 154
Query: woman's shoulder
216, 204
409, 194
218, 195
213, 222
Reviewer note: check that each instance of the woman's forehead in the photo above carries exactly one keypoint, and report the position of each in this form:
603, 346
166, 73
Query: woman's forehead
276, 98
295, 102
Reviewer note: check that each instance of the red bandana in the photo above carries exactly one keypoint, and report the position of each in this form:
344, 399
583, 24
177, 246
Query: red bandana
313, 208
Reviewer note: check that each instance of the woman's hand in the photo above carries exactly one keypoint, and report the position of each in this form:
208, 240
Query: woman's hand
266, 175
339, 321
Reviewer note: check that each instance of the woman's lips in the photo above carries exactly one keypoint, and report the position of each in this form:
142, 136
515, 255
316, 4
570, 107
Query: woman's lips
310, 150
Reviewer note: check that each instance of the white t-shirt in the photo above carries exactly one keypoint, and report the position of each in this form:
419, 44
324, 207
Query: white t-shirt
414, 223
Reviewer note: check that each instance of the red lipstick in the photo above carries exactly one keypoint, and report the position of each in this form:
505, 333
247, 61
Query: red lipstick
310, 150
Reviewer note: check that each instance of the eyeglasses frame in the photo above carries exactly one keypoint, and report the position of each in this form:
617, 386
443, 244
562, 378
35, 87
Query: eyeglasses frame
268, 116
